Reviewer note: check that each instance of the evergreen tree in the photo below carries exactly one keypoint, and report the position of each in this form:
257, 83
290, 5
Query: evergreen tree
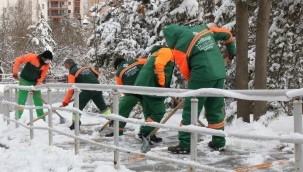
41, 37
130, 29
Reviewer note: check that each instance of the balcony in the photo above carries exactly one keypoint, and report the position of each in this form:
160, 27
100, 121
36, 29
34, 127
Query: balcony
57, 0
56, 17
58, 7
57, 14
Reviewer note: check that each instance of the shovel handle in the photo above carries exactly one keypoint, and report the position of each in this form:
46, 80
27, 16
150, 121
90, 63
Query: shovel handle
171, 114
106, 124
40, 117
167, 117
200, 122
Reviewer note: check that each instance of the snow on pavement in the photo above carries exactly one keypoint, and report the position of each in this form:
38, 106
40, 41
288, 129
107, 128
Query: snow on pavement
35, 155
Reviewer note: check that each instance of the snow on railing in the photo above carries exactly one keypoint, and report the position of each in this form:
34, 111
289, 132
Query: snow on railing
264, 95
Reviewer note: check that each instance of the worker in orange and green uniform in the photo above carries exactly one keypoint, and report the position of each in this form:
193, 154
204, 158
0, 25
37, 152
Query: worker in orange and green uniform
127, 72
157, 72
34, 71
83, 74
200, 61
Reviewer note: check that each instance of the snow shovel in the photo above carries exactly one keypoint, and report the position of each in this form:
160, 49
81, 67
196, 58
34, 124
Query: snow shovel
146, 141
40, 117
108, 122
105, 125
62, 119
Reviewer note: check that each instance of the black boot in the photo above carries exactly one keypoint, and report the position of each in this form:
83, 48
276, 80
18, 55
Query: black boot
156, 139
178, 150
111, 124
112, 134
214, 147
72, 127
152, 139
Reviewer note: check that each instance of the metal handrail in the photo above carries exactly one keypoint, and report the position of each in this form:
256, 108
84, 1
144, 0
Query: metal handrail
260, 95
7, 79
267, 95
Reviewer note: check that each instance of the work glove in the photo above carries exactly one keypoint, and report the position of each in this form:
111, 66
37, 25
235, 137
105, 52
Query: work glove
64, 104
15, 75
230, 56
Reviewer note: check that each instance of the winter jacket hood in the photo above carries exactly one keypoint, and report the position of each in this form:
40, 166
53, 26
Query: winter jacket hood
172, 33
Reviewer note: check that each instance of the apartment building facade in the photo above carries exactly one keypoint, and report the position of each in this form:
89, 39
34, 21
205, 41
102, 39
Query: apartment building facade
52, 10
59, 9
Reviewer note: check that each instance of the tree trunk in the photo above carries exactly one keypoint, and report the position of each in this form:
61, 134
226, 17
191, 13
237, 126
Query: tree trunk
243, 107
261, 53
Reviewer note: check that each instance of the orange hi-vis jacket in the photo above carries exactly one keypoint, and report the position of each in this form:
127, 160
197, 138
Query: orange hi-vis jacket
34, 70
163, 66
157, 72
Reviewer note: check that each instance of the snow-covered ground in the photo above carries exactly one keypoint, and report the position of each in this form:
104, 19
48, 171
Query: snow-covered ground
23, 154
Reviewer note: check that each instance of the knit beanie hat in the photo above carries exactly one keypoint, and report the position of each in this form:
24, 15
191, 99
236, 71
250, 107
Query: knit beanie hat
47, 54
117, 62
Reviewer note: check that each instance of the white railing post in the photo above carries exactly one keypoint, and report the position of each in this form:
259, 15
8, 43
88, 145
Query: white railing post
31, 114
1, 106
11, 95
16, 107
116, 129
58, 95
193, 136
1, 103
8, 94
50, 117
298, 129
5, 105
76, 121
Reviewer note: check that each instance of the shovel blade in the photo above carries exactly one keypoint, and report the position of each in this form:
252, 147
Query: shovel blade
62, 120
145, 146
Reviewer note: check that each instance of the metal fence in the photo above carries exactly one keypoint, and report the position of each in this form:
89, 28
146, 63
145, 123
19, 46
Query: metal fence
264, 95
7, 79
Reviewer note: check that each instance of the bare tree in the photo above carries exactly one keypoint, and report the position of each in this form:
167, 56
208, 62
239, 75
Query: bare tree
261, 53
20, 18
13, 32
242, 57
70, 40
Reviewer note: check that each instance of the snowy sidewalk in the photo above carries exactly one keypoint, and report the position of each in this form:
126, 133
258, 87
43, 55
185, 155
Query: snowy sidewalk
35, 155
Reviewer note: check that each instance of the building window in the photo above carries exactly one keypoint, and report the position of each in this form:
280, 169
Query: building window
69, 3
69, 11
42, 6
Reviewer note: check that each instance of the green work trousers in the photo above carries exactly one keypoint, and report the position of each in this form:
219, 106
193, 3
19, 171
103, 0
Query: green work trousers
213, 112
96, 96
22, 96
126, 105
154, 110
